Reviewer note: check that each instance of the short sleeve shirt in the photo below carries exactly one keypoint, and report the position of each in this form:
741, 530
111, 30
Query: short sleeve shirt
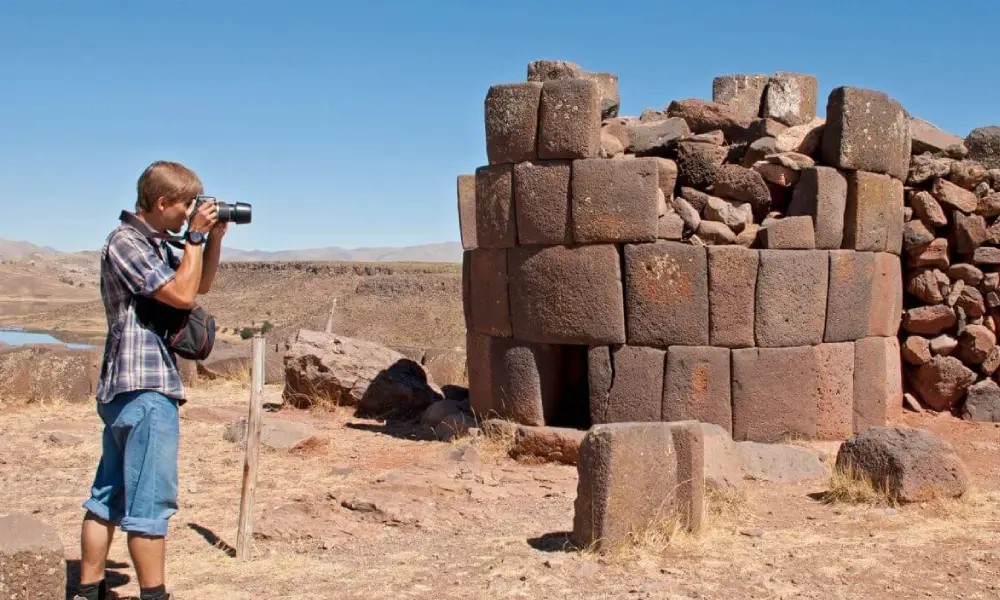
135, 358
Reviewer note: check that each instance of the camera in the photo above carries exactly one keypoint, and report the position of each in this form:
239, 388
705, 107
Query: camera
239, 212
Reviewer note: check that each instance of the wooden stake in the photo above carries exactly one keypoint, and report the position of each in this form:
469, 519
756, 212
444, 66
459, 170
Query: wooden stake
329, 320
244, 537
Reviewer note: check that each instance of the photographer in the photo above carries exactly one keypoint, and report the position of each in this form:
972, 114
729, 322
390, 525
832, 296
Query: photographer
140, 389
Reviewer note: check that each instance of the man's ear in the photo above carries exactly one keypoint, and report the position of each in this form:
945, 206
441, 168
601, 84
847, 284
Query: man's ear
161, 204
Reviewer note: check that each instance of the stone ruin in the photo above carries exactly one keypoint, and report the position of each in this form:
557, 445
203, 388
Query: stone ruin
740, 264
734, 262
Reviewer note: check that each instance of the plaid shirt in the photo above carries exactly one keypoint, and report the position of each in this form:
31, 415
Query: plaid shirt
135, 358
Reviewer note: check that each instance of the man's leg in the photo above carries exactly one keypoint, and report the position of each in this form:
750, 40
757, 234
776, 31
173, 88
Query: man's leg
95, 542
150, 428
104, 507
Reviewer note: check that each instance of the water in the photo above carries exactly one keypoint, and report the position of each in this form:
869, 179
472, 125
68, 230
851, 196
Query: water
19, 337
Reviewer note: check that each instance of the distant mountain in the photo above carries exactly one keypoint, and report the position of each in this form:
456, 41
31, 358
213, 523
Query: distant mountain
445, 252
450, 252
17, 249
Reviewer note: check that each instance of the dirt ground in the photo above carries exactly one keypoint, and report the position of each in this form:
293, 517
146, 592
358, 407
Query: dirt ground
430, 519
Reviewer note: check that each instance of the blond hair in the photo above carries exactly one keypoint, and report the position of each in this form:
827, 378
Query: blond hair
169, 180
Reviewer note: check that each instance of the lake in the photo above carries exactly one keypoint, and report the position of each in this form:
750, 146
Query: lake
19, 337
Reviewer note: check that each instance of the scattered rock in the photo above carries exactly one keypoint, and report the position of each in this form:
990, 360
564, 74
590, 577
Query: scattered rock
970, 274
943, 345
916, 350
715, 234
913, 465
686, 212
927, 137
968, 174
704, 117
649, 138
975, 344
928, 210
278, 434
916, 235
984, 146
929, 320
925, 167
743, 185
737, 216
64, 440
942, 381
698, 163
48, 373
951, 195
982, 402
804, 139
926, 285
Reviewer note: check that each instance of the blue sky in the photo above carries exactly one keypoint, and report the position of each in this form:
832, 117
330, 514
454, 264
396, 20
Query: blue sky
346, 124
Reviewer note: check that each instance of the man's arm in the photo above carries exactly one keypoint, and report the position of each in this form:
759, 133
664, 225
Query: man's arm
213, 254
180, 291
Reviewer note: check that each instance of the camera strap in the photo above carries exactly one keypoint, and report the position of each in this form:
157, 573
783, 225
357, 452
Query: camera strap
154, 235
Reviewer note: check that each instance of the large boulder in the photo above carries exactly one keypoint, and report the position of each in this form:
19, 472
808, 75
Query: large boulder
48, 372
341, 371
912, 465
32, 564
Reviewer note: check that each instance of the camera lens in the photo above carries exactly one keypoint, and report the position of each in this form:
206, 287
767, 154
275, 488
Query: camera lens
239, 213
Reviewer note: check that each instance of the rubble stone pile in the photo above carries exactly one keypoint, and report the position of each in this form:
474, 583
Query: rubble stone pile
734, 261
952, 271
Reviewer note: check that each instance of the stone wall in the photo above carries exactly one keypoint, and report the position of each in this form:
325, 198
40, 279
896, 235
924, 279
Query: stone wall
952, 271
733, 262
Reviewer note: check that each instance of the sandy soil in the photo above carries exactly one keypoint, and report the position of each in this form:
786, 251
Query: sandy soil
459, 520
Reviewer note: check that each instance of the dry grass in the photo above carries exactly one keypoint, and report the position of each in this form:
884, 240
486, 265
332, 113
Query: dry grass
497, 440
849, 487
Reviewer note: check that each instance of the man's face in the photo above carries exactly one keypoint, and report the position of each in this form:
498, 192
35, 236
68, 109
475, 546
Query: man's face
175, 214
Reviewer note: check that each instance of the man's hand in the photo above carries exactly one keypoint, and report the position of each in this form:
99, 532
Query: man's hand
205, 218
218, 231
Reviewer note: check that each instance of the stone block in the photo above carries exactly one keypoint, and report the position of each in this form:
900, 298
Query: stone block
666, 294
541, 201
789, 233
732, 285
32, 563
866, 131
490, 309
512, 122
878, 382
791, 298
835, 399
467, 210
626, 383
569, 119
744, 93
634, 477
849, 295
567, 295
873, 218
607, 88
822, 194
615, 200
706, 117
496, 222
525, 380
477, 356
775, 394
791, 98
696, 386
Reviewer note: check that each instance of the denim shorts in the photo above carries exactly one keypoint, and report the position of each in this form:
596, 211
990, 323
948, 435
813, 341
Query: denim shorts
136, 482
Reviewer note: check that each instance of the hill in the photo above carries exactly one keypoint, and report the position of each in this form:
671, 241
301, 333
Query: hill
448, 252
12, 249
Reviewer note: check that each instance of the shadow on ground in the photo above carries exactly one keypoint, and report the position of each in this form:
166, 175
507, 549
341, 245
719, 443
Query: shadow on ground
213, 539
560, 541
114, 579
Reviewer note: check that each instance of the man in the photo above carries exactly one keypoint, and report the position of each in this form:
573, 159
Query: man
140, 389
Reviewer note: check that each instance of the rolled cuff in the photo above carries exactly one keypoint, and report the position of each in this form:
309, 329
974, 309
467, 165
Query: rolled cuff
147, 527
